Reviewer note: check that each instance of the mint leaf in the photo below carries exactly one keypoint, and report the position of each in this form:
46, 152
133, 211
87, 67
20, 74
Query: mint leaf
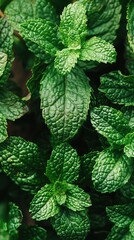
99, 50
121, 215
63, 164
33, 233
3, 62
128, 189
129, 145
119, 234
11, 106
3, 128
130, 17
17, 11
76, 198
64, 101
65, 60
15, 219
111, 171
44, 205
110, 123
73, 25
131, 228
129, 57
129, 114
71, 225
42, 32
118, 88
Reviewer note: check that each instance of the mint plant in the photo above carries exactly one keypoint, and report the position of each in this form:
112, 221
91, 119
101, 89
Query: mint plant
67, 119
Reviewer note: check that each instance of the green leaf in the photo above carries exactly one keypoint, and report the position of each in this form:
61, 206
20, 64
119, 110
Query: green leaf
128, 189
3, 62
17, 11
11, 106
20, 160
6, 45
73, 25
76, 198
33, 233
118, 88
129, 145
64, 101
71, 225
111, 171
3, 128
15, 219
103, 18
63, 164
131, 228
129, 114
65, 60
44, 205
130, 24
129, 57
121, 215
111, 123
97, 49
42, 32
119, 234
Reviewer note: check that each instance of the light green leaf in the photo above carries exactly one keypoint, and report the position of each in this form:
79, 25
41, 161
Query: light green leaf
111, 171
73, 25
42, 32
129, 58
33, 233
44, 205
76, 198
17, 11
131, 228
15, 219
129, 145
97, 49
64, 101
121, 215
111, 123
118, 88
63, 165
65, 60
71, 225
3, 128
3, 62
130, 24
119, 234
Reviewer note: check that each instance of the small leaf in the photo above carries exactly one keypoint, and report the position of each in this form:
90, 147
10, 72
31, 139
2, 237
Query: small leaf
97, 49
63, 164
129, 145
111, 171
131, 228
15, 219
130, 24
3, 62
44, 205
3, 128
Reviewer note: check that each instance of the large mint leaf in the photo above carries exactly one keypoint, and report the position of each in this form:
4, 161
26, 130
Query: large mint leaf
103, 18
130, 24
20, 160
118, 88
41, 32
33, 233
63, 165
64, 101
129, 145
65, 60
121, 215
110, 123
6, 45
11, 106
73, 26
119, 234
76, 198
71, 225
17, 11
44, 205
3, 62
111, 171
99, 50
3, 128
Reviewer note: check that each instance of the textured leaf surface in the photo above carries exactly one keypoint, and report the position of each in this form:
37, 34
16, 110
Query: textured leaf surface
99, 50
20, 161
3, 128
77, 199
73, 24
3, 62
131, 228
129, 145
128, 189
110, 123
63, 165
71, 225
64, 101
44, 205
42, 32
17, 11
129, 57
129, 114
130, 25
15, 219
119, 234
111, 171
65, 60
118, 88
33, 233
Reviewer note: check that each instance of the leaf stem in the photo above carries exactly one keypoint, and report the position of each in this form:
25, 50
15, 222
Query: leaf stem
1, 13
